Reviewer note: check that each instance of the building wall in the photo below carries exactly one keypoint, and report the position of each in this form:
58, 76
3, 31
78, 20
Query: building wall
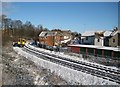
113, 44
42, 40
48, 40
58, 38
90, 40
101, 41
75, 49
95, 52
106, 41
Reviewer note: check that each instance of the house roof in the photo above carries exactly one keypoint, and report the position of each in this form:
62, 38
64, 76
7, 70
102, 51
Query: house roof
114, 33
51, 33
43, 33
47, 33
88, 33
104, 33
92, 33
107, 33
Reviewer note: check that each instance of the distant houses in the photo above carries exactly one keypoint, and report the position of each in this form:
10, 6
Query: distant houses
109, 38
55, 37
101, 38
99, 44
114, 41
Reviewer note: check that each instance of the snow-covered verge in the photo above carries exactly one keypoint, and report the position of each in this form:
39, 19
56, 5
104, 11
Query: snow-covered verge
71, 76
18, 70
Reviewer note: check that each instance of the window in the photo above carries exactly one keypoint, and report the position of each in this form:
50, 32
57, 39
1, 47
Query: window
86, 38
113, 40
98, 40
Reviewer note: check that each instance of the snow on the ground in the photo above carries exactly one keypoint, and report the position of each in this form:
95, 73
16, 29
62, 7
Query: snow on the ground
70, 75
69, 56
18, 70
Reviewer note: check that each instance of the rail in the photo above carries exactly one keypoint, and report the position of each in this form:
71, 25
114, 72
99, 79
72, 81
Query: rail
99, 71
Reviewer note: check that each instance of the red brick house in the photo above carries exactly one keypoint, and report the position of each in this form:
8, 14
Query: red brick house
51, 38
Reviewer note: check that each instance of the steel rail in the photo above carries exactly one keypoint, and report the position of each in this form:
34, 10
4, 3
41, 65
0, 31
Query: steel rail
83, 63
96, 72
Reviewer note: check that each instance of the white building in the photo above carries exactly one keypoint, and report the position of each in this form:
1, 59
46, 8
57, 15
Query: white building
102, 38
88, 38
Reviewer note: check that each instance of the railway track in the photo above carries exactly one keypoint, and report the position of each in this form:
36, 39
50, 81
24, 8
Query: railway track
99, 71
83, 63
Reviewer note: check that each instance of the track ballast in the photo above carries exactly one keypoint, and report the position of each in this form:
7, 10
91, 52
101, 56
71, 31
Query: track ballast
96, 70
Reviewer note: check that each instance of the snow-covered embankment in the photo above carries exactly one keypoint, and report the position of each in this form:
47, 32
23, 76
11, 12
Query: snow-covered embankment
68, 74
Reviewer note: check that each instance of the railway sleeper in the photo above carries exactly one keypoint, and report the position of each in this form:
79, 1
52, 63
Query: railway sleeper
87, 70
100, 67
